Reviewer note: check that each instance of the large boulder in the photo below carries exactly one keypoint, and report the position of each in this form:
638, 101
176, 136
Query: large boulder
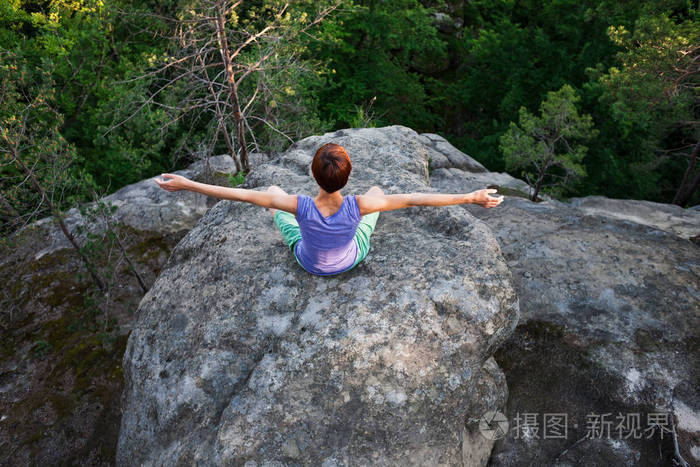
239, 357
610, 300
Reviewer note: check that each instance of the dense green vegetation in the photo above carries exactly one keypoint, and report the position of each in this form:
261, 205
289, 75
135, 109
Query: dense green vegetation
548, 147
79, 88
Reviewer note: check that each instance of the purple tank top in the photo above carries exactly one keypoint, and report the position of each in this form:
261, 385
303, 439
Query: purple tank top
327, 244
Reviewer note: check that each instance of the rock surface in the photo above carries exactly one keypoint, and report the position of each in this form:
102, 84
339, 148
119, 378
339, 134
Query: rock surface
238, 356
444, 155
684, 223
59, 382
608, 289
155, 219
145, 207
610, 298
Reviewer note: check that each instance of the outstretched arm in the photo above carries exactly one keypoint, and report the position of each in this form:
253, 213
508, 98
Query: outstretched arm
283, 202
373, 203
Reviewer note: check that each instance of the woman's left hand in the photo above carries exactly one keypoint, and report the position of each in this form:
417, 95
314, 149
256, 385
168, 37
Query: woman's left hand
172, 182
484, 198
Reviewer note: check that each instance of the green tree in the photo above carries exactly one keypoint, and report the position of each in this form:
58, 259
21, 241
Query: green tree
509, 55
235, 68
653, 96
546, 146
389, 51
36, 162
89, 46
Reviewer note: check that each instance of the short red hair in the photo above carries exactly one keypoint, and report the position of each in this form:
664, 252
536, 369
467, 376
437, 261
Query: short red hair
331, 167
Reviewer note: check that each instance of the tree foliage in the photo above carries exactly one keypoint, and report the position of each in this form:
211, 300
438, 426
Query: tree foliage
37, 164
461, 69
653, 97
389, 51
548, 147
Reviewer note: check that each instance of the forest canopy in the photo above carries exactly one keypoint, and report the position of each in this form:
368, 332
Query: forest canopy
111, 92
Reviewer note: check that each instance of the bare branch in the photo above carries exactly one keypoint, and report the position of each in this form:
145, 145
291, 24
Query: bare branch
268, 124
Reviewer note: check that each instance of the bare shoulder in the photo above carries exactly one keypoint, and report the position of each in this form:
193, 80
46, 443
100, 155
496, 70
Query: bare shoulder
369, 203
363, 200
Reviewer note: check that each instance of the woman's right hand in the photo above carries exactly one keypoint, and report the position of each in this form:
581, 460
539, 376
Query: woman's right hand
483, 198
172, 182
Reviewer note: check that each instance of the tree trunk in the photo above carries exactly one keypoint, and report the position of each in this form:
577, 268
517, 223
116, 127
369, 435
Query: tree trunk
131, 265
538, 185
685, 192
688, 194
230, 79
221, 119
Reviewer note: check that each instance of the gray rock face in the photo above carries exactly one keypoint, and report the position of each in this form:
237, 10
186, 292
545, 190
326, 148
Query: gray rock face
466, 180
610, 298
445, 155
71, 396
238, 356
684, 223
146, 207
156, 219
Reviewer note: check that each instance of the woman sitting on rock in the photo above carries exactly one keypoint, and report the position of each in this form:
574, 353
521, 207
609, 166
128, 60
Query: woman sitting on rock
328, 234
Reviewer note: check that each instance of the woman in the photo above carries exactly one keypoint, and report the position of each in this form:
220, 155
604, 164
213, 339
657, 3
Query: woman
330, 233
